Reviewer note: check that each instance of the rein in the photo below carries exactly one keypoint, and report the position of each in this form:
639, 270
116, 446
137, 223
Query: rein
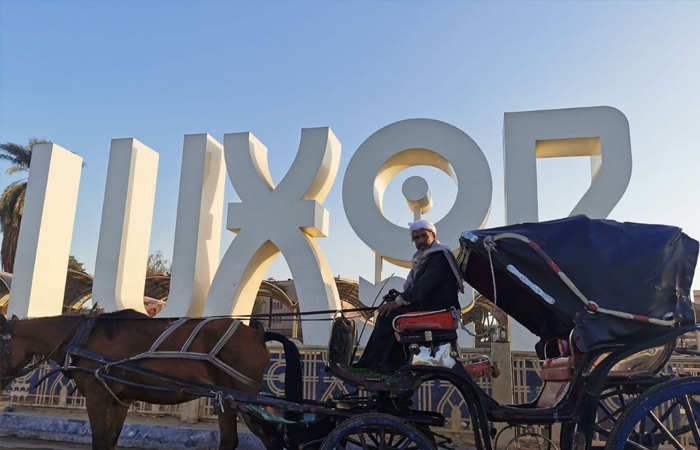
261, 316
5, 350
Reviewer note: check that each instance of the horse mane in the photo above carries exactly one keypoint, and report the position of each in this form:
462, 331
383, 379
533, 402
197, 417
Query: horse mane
111, 327
125, 314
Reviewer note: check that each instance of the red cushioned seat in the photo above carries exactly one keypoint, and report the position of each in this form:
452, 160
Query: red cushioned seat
558, 369
446, 319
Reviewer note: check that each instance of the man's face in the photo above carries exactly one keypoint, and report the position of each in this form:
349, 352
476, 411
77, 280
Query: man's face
423, 239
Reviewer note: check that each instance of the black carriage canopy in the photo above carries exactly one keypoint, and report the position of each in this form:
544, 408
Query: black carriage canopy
621, 269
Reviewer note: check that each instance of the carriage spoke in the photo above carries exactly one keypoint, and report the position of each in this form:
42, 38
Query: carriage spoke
391, 438
665, 415
695, 408
371, 436
608, 411
597, 428
672, 439
363, 440
403, 443
610, 415
354, 441
692, 421
376, 431
382, 431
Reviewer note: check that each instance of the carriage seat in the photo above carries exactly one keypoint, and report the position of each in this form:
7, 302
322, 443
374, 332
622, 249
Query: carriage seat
556, 373
445, 319
431, 337
557, 369
426, 326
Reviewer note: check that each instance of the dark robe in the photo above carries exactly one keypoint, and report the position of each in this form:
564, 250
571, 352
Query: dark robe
435, 288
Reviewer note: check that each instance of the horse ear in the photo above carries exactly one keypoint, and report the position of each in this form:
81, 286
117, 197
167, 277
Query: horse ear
14, 317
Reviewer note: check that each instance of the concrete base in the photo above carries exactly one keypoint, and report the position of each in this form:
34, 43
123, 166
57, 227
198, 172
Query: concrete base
156, 437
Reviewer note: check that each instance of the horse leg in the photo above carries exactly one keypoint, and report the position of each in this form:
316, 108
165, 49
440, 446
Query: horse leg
106, 421
228, 428
118, 417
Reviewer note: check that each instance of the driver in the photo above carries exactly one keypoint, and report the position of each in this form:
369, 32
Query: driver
432, 284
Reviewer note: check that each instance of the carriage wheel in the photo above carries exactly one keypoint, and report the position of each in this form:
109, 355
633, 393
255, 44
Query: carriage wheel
665, 416
611, 403
376, 432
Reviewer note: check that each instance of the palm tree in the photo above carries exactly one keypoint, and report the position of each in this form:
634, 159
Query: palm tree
12, 199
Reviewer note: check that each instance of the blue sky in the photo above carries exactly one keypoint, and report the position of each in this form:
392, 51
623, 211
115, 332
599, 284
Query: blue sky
81, 73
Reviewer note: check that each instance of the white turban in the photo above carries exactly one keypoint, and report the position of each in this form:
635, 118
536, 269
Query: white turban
422, 225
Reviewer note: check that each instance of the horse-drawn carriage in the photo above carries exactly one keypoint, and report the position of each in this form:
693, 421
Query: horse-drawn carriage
608, 301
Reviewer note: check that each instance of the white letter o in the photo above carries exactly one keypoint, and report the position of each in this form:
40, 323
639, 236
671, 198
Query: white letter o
409, 143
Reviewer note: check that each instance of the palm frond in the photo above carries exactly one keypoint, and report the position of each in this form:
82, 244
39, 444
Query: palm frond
16, 154
12, 204
20, 155
19, 204
16, 169
10, 192
34, 141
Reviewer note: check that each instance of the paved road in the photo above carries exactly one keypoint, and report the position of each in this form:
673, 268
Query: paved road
32, 444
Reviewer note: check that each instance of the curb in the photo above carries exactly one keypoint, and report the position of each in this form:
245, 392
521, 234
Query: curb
152, 437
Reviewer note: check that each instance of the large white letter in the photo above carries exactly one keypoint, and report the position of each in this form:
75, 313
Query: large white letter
409, 143
601, 132
125, 230
39, 279
270, 220
198, 227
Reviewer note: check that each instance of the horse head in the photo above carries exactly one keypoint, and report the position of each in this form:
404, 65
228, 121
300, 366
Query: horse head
13, 354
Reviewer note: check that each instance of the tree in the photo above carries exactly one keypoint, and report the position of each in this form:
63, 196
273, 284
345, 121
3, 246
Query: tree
157, 264
258, 305
74, 264
12, 199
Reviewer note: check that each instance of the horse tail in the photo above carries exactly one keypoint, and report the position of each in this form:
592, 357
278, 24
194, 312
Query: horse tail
293, 383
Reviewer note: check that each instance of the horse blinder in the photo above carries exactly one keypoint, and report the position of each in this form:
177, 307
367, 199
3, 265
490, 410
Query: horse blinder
5, 337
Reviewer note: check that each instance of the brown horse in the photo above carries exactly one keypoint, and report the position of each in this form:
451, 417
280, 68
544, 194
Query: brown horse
127, 333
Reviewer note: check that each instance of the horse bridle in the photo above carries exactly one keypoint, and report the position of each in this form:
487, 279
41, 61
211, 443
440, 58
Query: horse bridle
6, 337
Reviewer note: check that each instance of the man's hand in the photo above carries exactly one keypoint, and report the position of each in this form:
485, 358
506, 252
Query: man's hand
388, 307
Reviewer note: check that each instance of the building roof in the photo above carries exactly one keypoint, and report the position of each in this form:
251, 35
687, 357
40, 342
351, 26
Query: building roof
78, 290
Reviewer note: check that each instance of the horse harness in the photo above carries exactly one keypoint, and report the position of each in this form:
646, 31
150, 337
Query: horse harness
186, 353
76, 349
